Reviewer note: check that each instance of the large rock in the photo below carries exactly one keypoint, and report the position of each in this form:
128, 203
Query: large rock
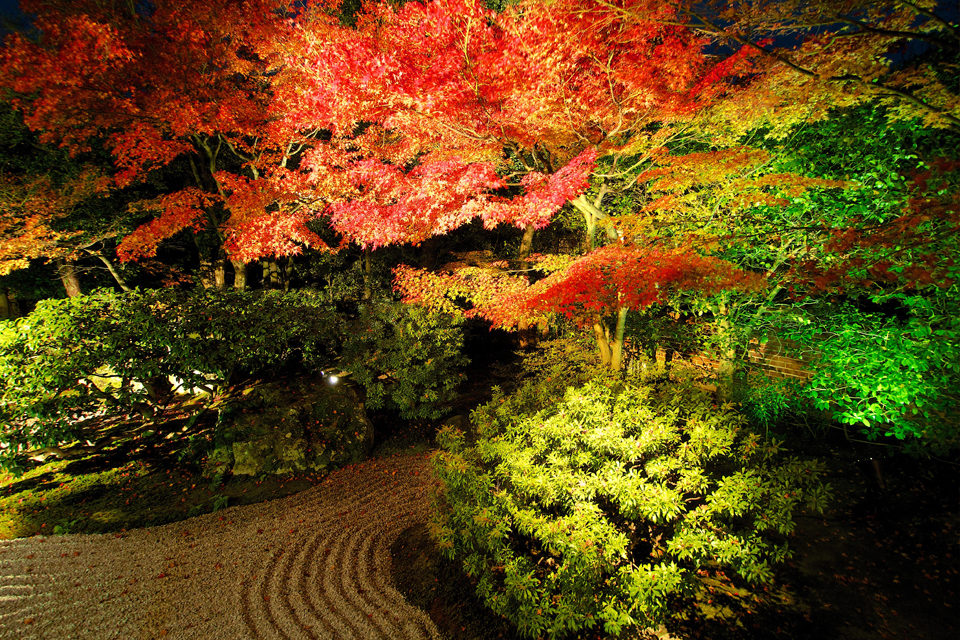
291, 426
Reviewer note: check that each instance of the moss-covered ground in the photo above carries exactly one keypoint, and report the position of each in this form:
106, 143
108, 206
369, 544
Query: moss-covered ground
124, 489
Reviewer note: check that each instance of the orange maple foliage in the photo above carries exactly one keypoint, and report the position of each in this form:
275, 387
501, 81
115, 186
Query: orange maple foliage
595, 285
416, 121
624, 277
29, 209
537, 92
169, 81
812, 56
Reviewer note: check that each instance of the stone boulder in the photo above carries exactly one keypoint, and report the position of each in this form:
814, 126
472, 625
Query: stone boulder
290, 426
460, 421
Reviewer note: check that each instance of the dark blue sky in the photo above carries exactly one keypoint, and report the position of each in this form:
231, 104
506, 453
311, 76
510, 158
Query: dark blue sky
9, 7
9, 12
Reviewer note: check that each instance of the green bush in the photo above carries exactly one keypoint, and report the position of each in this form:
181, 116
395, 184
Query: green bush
772, 403
406, 358
119, 353
884, 375
608, 507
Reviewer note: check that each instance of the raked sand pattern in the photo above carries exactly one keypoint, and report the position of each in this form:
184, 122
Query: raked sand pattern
313, 565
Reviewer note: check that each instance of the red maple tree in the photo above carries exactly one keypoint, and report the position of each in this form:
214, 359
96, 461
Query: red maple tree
594, 291
414, 122
534, 94
173, 82
29, 208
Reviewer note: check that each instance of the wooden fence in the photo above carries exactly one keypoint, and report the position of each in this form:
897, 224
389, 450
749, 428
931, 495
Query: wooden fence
770, 358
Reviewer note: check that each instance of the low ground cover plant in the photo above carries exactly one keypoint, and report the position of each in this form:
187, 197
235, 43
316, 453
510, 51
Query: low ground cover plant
607, 509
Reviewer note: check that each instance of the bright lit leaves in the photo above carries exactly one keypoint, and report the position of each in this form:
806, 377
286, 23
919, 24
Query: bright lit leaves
595, 285
409, 125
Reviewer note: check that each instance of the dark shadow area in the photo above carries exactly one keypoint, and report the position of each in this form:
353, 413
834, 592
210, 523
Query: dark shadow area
493, 362
44, 481
102, 461
440, 588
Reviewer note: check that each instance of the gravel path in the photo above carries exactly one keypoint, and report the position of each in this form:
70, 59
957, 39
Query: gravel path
313, 565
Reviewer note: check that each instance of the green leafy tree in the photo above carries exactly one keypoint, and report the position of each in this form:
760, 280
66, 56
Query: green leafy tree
857, 211
883, 375
130, 353
863, 278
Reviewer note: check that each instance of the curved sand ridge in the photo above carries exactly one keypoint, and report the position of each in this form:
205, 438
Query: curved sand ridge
313, 565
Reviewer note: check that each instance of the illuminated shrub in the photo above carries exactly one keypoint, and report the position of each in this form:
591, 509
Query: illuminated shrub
610, 506
886, 376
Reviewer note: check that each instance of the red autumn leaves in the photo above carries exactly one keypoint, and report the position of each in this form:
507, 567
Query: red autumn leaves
615, 277
408, 125
595, 285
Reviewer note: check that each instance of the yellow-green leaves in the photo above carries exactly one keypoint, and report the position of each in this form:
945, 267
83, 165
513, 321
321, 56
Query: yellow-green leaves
602, 508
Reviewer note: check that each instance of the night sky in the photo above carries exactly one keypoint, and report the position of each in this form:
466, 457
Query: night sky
10, 15
10, 8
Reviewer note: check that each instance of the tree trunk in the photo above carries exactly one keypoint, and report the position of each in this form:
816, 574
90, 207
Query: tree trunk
239, 275
5, 311
603, 342
591, 230
728, 352
526, 244
611, 346
220, 273
616, 354
271, 274
68, 276
212, 270
590, 211
205, 273
113, 271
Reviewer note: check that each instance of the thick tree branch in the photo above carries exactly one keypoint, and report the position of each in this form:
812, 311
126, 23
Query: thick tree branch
113, 271
584, 206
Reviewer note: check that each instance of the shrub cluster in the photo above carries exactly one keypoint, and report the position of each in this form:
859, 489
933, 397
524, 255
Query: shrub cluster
602, 510
407, 358
120, 353
889, 377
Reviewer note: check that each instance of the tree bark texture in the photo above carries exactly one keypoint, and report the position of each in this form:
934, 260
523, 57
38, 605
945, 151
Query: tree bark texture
68, 276
526, 244
239, 275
